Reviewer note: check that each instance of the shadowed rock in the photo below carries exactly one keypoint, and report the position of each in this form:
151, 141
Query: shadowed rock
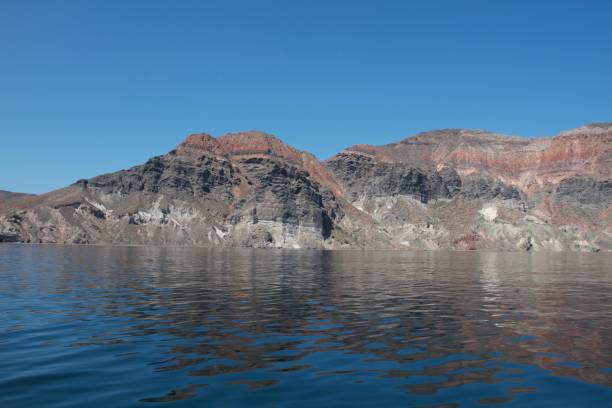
452, 188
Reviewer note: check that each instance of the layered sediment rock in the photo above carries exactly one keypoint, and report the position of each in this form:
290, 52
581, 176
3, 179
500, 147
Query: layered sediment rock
247, 189
528, 164
448, 189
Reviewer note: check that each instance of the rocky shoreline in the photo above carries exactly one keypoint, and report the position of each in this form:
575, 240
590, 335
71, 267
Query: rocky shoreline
451, 189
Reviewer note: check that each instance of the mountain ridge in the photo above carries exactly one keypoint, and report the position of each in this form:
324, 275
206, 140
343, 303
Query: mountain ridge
442, 189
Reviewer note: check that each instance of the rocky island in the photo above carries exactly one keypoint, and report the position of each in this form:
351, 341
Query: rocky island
445, 189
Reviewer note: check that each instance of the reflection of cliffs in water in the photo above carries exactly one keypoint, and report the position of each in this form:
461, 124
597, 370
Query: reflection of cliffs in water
445, 318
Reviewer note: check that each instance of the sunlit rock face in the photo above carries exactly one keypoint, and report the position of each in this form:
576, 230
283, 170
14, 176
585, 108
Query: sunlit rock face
472, 189
526, 163
244, 189
446, 189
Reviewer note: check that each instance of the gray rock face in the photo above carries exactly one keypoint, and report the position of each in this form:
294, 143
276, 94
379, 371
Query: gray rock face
364, 176
583, 190
286, 196
428, 208
487, 188
171, 175
10, 232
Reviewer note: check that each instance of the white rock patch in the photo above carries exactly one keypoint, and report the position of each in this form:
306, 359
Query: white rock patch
489, 213
219, 233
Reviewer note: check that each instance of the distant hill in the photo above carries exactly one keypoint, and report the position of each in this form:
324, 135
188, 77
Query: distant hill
445, 189
4, 195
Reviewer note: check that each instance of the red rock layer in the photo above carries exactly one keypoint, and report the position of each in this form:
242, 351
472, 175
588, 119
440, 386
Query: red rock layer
527, 163
257, 144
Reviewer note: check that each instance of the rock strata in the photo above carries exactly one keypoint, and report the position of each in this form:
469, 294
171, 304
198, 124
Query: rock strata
446, 189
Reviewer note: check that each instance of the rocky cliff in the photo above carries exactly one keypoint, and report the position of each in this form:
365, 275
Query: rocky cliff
446, 189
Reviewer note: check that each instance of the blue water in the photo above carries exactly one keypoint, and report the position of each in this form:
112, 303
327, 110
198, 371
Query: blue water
140, 326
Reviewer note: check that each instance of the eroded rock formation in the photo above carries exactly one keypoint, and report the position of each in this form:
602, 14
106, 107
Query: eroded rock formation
447, 189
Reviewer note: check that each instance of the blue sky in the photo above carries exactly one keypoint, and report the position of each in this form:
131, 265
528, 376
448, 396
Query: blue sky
88, 87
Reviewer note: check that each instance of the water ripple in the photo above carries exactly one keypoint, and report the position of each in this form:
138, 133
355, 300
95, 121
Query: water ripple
125, 326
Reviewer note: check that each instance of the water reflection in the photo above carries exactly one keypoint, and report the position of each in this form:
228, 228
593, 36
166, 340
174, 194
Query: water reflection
259, 327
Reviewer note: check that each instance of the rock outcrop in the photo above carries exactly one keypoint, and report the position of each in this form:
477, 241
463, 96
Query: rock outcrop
447, 189
529, 164
247, 189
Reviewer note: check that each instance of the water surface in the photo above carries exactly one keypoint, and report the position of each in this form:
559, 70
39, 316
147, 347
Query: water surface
139, 326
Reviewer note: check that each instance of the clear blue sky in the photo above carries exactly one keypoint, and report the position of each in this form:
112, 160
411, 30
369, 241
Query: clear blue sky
88, 87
